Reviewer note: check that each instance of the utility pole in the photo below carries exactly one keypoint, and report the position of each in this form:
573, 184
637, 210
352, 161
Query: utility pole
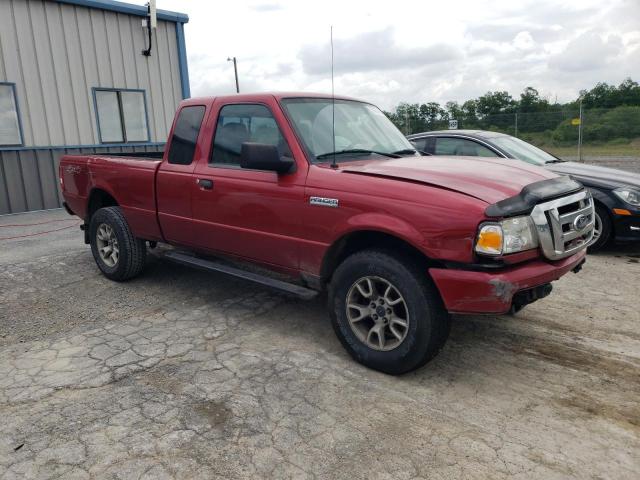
235, 70
516, 135
580, 134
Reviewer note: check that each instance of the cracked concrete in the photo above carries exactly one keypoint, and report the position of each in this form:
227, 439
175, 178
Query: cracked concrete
182, 374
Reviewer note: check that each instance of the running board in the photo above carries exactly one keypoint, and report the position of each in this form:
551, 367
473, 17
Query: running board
201, 263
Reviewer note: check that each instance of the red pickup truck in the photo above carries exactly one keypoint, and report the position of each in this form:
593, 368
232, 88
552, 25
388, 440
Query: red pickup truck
329, 193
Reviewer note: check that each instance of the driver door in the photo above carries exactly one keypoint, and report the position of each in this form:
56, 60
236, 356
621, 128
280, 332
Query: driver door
251, 214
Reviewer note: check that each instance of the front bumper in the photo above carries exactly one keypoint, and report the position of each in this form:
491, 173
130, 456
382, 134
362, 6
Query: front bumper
467, 291
627, 227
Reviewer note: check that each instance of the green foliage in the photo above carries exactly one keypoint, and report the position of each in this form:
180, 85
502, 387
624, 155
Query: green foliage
611, 114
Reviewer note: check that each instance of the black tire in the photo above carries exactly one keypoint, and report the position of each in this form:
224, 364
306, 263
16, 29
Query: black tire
606, 230
429, 322
132, 251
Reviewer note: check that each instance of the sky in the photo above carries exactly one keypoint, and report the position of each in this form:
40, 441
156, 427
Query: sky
388, 52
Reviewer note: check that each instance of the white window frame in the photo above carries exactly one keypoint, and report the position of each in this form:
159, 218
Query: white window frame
118, 91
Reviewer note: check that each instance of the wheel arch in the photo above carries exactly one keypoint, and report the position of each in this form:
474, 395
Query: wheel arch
607, 211
363, 239
99, 198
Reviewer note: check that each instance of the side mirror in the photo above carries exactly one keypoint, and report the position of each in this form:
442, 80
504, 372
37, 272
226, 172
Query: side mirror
262, 156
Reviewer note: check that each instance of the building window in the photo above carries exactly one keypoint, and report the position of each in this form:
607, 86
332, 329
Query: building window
122, 115
10, 128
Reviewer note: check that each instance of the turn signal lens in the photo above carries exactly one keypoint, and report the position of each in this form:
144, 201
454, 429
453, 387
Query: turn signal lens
489, 240
621, 211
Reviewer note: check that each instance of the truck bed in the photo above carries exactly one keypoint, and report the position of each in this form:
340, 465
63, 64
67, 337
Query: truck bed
128, 177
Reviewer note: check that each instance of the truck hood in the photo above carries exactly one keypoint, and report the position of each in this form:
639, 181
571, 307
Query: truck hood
487, 179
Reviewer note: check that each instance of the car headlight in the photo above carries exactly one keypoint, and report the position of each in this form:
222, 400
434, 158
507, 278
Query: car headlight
508, 236
628, 195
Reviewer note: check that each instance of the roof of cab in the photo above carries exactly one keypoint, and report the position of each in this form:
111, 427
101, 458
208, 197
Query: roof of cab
256, 97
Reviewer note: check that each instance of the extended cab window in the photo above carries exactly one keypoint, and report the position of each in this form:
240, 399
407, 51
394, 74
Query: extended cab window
244, 123
185, 135
461, 146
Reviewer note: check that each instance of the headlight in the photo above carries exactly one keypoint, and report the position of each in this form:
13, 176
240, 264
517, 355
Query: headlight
508, 236
628, 195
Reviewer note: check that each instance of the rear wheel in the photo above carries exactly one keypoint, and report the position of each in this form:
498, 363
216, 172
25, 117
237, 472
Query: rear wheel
602, 229
119, 255
386, 312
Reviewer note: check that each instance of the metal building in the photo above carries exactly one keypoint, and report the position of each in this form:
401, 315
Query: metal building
74, 79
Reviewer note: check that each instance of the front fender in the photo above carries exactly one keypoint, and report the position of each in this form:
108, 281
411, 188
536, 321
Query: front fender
383, 223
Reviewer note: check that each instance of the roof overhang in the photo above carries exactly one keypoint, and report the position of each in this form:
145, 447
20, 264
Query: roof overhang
128, 8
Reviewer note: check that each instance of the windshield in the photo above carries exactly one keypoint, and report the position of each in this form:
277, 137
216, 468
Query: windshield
523, 151
360, 129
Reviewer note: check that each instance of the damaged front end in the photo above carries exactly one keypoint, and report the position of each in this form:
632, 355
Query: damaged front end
555, 223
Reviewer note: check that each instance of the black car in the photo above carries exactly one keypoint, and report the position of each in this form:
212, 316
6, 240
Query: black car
616, 192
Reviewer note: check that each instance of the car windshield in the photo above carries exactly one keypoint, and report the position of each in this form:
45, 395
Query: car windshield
360, 129
523, 151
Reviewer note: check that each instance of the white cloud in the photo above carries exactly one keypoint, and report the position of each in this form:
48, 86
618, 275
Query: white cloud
416, 51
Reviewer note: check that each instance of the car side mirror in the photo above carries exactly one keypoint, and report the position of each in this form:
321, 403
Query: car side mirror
262, 156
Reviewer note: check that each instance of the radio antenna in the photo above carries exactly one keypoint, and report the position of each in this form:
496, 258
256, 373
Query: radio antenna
333, 107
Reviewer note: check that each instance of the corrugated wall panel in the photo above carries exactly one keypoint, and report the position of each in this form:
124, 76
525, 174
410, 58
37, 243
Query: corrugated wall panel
114, 48
45, 74
127, 52
31, 180
56, 53
164, 63
79, 78
48, 178
5, 205
174, 62
61, 75
13, 182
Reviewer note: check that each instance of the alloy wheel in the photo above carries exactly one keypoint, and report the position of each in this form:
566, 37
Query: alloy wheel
107, 244
377, 313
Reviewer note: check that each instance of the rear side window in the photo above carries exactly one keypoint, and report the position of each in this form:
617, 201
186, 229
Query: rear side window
244, 123
185, 135
461, 146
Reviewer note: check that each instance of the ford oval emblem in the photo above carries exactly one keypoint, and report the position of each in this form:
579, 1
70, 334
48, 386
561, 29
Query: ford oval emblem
580, 222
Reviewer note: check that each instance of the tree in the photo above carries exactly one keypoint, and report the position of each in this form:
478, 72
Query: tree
530, 101
492, 103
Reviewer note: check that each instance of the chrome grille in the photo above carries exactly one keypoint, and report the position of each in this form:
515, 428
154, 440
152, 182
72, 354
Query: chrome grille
565, 225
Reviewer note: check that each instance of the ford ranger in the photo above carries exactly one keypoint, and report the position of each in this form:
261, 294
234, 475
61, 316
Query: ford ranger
329, 196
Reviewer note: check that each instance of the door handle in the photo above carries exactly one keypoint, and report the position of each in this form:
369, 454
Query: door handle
205, 184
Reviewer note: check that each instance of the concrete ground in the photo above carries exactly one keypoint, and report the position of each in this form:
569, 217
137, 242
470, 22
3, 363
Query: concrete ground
184, 374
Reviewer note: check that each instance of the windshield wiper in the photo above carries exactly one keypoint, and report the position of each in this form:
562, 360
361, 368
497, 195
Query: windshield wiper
407, 151
557, 160
356, 150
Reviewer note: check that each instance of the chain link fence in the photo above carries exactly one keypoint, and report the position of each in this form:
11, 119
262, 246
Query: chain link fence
608, 137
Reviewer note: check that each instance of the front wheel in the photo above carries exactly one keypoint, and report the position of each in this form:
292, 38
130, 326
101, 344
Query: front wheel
386, 312
119, 255
602, 229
